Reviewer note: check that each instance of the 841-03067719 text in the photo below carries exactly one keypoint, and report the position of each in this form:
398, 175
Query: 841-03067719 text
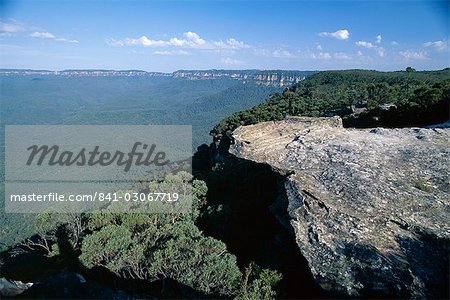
97, 196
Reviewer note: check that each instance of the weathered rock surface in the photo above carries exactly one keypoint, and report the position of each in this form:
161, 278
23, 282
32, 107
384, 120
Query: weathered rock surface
10, 288
370, 208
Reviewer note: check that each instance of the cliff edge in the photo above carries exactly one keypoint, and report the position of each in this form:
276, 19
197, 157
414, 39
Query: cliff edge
370, 208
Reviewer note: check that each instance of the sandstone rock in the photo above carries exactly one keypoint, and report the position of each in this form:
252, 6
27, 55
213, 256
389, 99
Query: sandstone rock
9, 288
370, 208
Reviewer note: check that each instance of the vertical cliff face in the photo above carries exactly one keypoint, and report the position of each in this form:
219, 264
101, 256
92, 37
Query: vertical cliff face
370, 208
278, 78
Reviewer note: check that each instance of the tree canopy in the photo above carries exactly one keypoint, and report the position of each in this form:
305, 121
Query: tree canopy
392, 99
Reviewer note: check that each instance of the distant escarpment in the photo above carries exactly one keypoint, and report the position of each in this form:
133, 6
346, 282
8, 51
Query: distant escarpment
275, 78
260, 77
370, 208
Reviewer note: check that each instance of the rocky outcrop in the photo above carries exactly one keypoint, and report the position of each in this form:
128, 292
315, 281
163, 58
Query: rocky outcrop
10, 288
370, 208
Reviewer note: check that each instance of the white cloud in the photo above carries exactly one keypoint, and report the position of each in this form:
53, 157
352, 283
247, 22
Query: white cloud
42, 35
342, 34
321, 55
230, 43
12, 27
319, 47
282, 54
171, 53
394, 43
194, 38
188, 40
231, 61
438, 45
142, 41
173, 41
378, 38
278, 53
364, 44
114, 42
9, 29
66, 40
409, 54
51, 36
380, 50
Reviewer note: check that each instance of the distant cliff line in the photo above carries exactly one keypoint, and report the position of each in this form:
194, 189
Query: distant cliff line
260, 77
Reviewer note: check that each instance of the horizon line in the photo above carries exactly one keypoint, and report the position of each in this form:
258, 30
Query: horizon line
214, 69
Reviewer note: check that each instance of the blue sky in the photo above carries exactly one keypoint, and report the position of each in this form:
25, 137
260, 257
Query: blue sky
166, 35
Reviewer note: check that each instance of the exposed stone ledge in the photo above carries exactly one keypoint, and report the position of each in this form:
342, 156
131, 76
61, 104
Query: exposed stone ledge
370, 208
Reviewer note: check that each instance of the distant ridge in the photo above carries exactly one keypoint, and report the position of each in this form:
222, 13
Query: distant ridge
260, 77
